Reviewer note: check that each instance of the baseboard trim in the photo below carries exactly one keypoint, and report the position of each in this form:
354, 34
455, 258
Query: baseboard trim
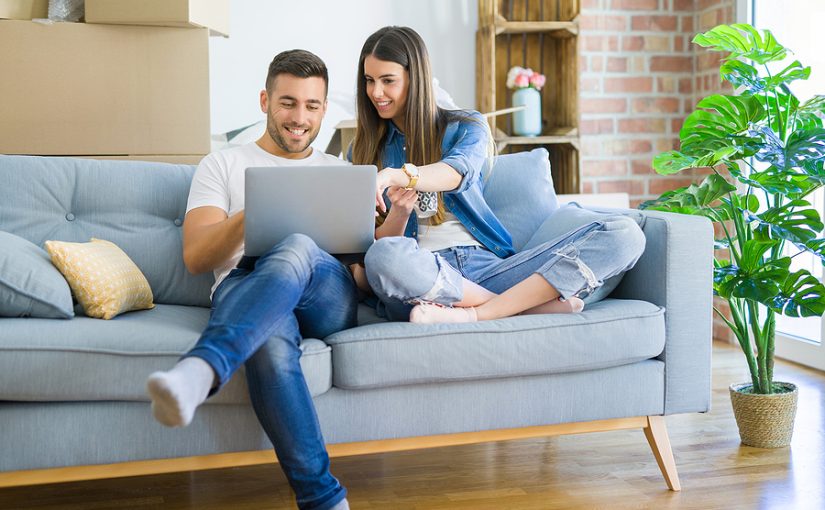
660, 448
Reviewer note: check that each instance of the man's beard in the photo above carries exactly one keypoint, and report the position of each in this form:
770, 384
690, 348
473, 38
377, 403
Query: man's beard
280, 141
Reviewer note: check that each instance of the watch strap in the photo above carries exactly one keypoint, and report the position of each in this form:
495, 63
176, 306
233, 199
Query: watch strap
411, 174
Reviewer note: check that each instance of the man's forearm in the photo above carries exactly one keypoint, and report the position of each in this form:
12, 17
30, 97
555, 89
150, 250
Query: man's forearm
210, 246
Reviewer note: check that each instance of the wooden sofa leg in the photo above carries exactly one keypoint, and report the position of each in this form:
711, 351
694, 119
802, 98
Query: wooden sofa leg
656, 434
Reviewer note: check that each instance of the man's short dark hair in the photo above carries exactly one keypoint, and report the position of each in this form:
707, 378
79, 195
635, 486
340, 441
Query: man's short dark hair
300, 63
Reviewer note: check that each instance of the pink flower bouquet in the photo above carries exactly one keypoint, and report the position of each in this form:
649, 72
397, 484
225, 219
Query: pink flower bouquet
520, 78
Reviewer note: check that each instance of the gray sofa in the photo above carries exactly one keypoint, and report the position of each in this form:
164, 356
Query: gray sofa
72, 390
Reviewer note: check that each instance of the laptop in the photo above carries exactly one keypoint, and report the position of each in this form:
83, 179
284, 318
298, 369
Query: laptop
333, 205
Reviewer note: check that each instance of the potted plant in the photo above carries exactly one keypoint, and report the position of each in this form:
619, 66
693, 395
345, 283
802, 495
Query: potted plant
767, 153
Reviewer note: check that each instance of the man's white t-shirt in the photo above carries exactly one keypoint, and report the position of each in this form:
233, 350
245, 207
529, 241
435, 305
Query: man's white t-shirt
219, 182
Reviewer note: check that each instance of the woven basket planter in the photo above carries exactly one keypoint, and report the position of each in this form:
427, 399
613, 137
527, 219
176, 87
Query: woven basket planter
765, 421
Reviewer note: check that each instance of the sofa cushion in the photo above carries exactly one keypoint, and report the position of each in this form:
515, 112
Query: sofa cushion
103, 278
137, 205
89, 359
609, 333
30, 286
518, 179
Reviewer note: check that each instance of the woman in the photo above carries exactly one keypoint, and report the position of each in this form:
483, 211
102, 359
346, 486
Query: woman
458, 265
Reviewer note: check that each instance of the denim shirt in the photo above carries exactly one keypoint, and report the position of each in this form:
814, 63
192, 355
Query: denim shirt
464, 148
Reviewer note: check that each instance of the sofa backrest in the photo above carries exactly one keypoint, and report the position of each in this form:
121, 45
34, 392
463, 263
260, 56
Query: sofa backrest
520, 192
137, 205
140, 206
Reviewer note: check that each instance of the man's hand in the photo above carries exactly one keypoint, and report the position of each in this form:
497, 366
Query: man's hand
210, 238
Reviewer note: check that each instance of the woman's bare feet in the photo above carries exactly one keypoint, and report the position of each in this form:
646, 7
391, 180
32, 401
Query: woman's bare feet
433, 313
572, 305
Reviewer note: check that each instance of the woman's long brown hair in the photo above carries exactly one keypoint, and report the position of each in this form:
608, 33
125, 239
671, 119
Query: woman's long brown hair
425, 122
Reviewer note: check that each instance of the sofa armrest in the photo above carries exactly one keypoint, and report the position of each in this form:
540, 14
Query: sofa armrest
675, 272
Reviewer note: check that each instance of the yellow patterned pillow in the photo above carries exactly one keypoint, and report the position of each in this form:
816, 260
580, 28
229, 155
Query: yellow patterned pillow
103, 278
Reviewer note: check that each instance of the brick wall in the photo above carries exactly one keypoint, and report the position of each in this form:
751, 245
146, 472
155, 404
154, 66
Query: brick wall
640, 78
710, 13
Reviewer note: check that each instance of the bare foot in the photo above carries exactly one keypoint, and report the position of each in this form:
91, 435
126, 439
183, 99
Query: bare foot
572, 305
431, 313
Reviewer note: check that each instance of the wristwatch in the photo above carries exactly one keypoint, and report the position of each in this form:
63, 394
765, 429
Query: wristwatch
412, 172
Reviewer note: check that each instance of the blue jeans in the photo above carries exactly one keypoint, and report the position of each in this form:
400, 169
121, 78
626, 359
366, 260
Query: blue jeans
576, 264
260, 313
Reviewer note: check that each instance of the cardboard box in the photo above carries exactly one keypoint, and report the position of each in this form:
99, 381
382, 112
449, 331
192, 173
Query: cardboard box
211, 14
80, 89
24, 9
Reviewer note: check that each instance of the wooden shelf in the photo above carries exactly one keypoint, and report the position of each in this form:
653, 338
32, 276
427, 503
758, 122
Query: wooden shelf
554, 137
554, 28
541, 35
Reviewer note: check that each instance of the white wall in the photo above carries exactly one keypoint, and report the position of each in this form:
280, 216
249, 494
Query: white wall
335, 30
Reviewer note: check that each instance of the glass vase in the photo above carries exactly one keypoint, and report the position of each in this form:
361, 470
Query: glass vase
527, 122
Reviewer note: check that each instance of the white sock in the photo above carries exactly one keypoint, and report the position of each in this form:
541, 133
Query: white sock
177, 393
341, 505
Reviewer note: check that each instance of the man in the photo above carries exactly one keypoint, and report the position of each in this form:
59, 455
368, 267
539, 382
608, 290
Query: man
262, 307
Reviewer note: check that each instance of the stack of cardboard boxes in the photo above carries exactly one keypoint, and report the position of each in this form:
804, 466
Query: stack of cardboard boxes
132, 82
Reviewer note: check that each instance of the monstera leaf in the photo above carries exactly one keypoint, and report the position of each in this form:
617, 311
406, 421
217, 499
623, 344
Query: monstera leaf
743, 41
671, 162
805, 149
770, 148
800, 295
720, 132
806, 120
788, 223
815, 104
693, 199
817, 247
722, 127
794, 184
742, 74
808, 115
761, 284
741, 204
781, 105
794, 71
668, 163
790, 184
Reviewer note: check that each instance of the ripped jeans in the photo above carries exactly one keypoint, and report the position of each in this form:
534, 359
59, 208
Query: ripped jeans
575, 264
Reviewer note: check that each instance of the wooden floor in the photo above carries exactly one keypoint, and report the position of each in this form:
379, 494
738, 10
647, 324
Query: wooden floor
610, 470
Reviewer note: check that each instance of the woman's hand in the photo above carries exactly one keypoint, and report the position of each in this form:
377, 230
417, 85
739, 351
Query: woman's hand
402, 200
386, 178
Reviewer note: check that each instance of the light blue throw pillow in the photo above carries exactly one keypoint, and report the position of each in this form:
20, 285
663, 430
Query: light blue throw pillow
570, 217
520, 192
30, 286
